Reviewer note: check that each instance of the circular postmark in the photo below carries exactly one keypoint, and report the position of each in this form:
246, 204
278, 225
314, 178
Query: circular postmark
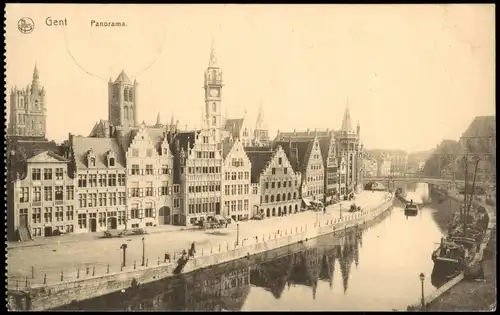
25, 25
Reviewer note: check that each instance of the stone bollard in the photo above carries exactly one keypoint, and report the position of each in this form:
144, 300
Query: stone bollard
26, 282
87, 270
107, 269
45, 279
134, 265
93, 271
62, 275
78, 273
158, 261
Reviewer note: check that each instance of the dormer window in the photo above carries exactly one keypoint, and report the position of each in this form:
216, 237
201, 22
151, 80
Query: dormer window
111, 159
91, 159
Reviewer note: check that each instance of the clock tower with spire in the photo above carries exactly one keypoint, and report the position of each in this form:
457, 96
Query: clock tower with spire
213, 87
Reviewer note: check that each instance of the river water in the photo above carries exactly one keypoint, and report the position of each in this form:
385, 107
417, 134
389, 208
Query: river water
371, 267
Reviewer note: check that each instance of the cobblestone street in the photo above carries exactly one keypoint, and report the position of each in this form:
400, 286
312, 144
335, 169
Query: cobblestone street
52, 258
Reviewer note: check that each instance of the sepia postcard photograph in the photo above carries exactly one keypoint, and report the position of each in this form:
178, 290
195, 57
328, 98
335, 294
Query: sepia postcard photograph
250, 157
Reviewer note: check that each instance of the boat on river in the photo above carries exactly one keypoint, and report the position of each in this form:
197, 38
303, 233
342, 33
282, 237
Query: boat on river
411, 209
453, 254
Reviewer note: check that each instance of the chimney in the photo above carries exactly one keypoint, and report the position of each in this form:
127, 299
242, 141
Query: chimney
177, 145
186, 127
289, 146
297, 157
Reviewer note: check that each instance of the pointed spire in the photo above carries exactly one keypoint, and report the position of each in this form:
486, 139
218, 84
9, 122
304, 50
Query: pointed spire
346, 121
212, 63
36, 75
158, 120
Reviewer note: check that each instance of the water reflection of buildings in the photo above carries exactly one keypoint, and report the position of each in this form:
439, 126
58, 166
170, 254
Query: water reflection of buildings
310, 265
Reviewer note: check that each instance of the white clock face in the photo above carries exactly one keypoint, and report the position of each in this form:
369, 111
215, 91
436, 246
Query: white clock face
214, 92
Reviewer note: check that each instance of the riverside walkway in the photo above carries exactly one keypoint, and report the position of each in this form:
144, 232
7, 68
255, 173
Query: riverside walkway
67, 285
83, 256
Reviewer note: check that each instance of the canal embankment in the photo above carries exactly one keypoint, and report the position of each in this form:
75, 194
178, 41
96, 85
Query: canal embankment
460, 294
53, 295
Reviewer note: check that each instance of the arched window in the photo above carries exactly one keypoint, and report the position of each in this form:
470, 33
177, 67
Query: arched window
214, 107
21, 103
279, 211
289, 196
214, 121
268, 212
214, 75
125, 112
294, 195
266, 198
272, 198
274, 212
92, 161
278, 197
130, 95
125, 94
290, 209
284, 197
296, 209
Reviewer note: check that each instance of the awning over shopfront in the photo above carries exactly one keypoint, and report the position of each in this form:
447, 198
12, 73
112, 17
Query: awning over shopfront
306, 201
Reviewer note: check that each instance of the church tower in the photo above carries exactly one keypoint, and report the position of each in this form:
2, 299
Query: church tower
213, 88
261, 132
122, 101
27, 109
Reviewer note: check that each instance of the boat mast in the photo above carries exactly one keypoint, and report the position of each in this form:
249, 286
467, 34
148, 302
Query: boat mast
464, 214
473, 186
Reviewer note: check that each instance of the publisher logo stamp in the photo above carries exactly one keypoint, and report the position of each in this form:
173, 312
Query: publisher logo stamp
25, 25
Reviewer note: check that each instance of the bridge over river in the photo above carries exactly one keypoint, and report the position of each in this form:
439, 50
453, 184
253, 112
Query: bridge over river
371, 267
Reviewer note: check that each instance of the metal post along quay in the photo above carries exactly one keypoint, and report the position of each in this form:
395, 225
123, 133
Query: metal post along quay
124, 249
237, 233
143, 252
422, 278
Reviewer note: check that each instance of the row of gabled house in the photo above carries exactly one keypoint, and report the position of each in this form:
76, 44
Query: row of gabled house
150, 176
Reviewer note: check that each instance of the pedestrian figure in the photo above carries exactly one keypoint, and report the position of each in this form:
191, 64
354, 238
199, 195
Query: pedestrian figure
193, 249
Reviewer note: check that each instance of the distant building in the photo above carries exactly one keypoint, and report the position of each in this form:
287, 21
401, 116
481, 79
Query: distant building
28, 109
240, 128
384, 167
369, 166
278, 182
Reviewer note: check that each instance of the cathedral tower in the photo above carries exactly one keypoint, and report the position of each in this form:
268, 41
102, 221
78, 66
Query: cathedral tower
27, 109
122, 101
213, 88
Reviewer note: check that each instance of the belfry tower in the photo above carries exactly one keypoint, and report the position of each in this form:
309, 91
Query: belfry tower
213, 88
122, 101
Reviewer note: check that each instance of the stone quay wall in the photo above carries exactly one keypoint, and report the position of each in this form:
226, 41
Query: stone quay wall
53, 295
477, 258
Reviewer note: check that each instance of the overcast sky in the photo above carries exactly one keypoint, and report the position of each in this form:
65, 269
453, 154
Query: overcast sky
411, 74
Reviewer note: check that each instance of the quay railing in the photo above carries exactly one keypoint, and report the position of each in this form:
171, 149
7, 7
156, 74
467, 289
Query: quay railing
37, 278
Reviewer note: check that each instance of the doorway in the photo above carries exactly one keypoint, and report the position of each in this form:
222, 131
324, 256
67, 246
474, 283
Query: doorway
23, 220
112, 223
217, 208
166, 215
93, 224
48, 231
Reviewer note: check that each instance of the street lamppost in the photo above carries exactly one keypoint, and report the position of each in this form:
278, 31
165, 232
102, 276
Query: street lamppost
143, 252
237, 234
124, 249
422, 278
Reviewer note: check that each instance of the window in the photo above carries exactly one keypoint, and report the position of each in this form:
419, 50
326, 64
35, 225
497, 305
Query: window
149, 152
36, 215
102, 180
92, 161
164, 189
121, 179
135, 152
59, 173
59, 193
279, 184
148, 210
47, 193
176, 189
102, 199
121, 198
111, 180
134, 211
92, 200
164, 169
267, 185
205, 139
135, 169
70, 192
267, 198
149, 189
214, 121
36, 174
149, 169
82, 181
112, 199
272, 185
165, 151
47, 215
176, 202
272, 198
37, 194
273, 171
70, 213
255, 190
47, 174
280, 160
82, 221
59, 214
285, 170
247, 175
111, 161
93, 180
25, 195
